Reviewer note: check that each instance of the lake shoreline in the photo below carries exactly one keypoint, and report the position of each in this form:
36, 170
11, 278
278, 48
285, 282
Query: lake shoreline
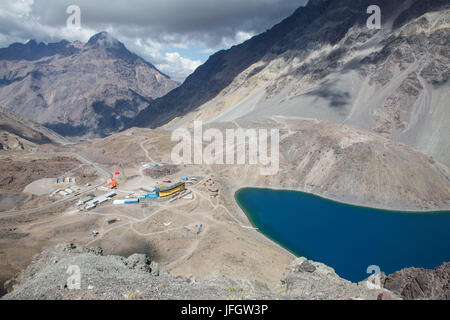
231, 187
353, 204
288, 231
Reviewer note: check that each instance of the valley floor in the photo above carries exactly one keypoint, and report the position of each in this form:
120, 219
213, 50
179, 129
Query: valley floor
209, 235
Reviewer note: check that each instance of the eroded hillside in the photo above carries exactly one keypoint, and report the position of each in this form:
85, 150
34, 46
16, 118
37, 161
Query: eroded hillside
323, 62
78, 89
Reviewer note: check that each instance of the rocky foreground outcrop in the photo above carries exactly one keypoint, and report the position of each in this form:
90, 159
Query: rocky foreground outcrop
417, 283
51, 273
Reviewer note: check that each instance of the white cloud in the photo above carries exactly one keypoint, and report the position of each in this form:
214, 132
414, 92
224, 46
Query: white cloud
171, 63
239, 37
17, 24
179, 67
207, 51
19, 8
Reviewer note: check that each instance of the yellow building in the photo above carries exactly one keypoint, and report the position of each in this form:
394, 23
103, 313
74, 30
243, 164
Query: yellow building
170, 191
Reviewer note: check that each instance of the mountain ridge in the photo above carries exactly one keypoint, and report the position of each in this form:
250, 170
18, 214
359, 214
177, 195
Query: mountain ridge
329, 65
20, 134
217, 62
79, 89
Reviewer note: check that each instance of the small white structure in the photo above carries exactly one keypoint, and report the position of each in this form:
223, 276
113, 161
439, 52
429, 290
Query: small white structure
90, 205
63, 193
110, 195
148, 189
99, 200
68, 190
126, 201
55, 192
84, 200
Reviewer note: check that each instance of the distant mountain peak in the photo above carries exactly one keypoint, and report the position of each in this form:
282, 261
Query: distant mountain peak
32, 42
316, 2
108, 84
104, 39
32, 50
114, 48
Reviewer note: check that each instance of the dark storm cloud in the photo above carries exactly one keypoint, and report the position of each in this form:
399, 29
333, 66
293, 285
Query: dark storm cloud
214, 19
148, 27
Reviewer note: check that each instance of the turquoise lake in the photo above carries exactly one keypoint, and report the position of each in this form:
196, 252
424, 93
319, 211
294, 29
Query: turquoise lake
348, 238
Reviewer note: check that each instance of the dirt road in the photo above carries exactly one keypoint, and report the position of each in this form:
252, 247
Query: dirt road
100, 170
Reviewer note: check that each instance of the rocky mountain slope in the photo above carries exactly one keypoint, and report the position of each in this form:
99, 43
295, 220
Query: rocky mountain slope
18, 133
136, 277
78, 89
418, 283
324, 62
341, 162
349, 164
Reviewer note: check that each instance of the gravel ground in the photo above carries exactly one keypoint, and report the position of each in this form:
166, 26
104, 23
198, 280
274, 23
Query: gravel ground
136, 277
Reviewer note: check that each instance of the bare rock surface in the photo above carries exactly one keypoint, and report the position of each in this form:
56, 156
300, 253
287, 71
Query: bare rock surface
20, 134
324, 62
305, 279
115, 277
344, 163
418, 283
78, 89
135, 277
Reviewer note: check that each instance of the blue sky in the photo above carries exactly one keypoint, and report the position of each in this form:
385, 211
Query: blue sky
193, 52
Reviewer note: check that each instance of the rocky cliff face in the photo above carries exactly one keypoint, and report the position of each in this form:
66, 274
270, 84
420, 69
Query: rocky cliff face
324, 62
136, 277
78, 89
418, 283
